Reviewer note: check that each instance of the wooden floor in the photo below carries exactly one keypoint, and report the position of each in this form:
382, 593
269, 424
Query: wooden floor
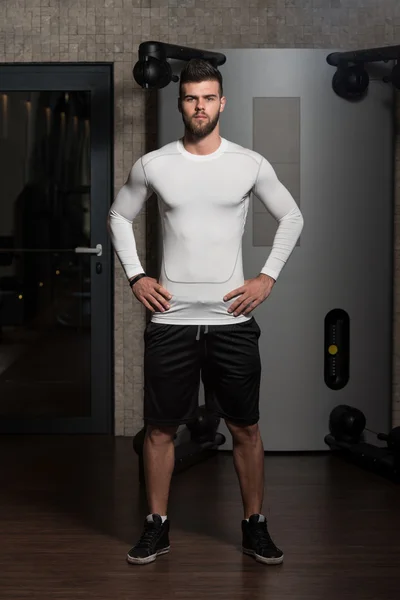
71, 507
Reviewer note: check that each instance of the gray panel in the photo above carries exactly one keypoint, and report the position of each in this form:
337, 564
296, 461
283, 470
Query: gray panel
289, 175
346, 182
264, 229
276, 136
276, 129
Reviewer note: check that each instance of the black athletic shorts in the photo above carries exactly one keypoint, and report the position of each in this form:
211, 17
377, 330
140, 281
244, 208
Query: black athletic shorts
227, 358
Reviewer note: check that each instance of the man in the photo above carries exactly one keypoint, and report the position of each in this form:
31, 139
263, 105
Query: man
201, 321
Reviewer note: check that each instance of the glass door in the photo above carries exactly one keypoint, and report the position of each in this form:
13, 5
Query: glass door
55, 255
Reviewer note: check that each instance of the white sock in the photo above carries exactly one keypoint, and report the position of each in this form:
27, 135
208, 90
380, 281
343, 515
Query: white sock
150, 518
261, 518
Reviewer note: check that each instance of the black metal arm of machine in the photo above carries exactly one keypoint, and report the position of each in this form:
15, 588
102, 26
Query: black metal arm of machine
362, 56
152, 71
351, 80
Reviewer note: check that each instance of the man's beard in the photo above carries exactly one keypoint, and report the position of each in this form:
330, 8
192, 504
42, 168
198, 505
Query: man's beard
200, 128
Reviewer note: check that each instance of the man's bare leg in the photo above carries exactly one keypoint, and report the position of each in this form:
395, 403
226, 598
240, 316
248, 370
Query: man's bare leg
248, 458
159, 462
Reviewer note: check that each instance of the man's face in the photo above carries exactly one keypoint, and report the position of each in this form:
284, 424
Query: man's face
201, 105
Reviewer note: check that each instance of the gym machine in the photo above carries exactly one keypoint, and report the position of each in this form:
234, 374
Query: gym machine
347, 439
351, 80
152, 71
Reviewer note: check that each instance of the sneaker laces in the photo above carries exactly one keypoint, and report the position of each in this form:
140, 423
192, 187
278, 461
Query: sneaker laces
151, 531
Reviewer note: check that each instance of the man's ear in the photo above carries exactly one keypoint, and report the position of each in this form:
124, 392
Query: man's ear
223, 103
179, 105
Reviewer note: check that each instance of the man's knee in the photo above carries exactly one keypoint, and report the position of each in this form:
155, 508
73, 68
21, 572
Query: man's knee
244, 433
160, 434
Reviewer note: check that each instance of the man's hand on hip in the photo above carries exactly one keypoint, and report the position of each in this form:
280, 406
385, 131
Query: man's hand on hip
151, 294
252, 293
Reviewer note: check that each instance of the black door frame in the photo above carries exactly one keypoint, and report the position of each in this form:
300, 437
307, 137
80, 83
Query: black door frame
98, 79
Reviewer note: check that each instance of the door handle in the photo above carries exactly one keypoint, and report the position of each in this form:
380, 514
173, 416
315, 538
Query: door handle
98, 250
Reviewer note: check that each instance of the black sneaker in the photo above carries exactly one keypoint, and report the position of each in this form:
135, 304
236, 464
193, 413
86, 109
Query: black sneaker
153, 541
258, 543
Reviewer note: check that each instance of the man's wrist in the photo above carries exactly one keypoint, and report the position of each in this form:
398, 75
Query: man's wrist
136, 278
264, 275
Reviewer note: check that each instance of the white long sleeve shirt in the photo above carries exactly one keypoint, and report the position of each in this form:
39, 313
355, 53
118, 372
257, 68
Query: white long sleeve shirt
203, 203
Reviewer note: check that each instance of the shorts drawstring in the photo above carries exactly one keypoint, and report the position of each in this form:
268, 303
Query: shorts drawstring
199, 330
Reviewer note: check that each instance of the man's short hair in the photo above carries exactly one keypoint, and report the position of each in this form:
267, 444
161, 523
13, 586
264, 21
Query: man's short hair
197, 70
